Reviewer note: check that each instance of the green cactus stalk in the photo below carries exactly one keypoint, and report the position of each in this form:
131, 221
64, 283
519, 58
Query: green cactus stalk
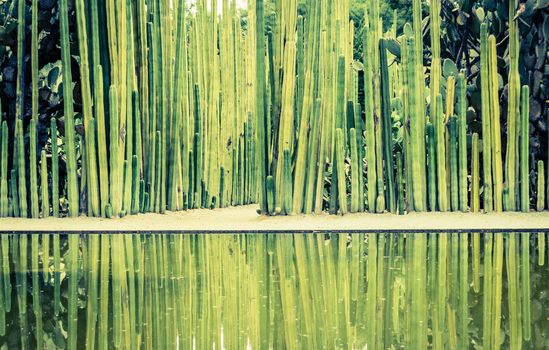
486, 123
495, 125
99, 101
135, 186
270, 194
287, 182
462, 141
262, 148
541, 187
387, 125
72, 185
400, 184
35, 211
21, 173
313, 151
416, 128
441, 155
370, 127
454, 186
340, 161
432, 180
4, 169
475, 170
54, 169
525, 149
513, 99
44, 185
19, 94
355, 173
14, 195
360, 155
114, 171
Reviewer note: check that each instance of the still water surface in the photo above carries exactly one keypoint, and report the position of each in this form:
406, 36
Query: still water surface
322, 291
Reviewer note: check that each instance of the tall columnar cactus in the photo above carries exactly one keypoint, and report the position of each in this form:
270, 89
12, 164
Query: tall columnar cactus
417, 121
35, 212
540, 204
355, 172
441, 155
369, 125
387, 126
3, 169
262, 144
462, 141
524, 149
70, 140
54, 168
21, 173
341, 180
495, 124
454, 188
486, 123
44, 185
431, 155
20, 95
475, 171
513, 101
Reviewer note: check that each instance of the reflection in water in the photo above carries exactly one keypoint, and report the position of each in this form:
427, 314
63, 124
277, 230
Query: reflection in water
274, 291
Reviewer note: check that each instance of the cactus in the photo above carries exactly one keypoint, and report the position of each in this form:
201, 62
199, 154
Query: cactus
540, 205
354, 172
101, 137
441, 155
3, 169
475, 200
35, 212
524, 149
340, 161
486, 128
44, 185
287, 201
54, 169
432, 180
495, 125
262, 143
371, 160
72, 186
21, 173
400, 185
454, 188
387, 126
462, 142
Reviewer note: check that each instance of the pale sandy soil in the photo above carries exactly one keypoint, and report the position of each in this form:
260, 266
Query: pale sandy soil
245, 219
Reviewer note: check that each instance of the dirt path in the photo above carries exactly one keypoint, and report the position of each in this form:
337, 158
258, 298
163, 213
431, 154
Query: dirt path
245, 218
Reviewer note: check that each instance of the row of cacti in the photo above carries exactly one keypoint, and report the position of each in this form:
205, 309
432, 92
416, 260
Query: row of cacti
186, 109
317, 291
168, 113
435, 165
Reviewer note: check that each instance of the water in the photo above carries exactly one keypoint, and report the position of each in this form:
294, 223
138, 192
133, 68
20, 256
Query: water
274, 291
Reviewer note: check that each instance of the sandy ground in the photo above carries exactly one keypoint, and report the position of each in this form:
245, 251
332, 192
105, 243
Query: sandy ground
245, 219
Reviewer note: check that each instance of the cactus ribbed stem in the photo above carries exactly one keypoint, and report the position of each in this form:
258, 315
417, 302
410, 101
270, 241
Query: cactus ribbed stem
486, 123
540, 206
70, 140
35, 211
441, 155
525, 149
44, 185
462, 142
3, 169
354, 172
475, 200
432, 180
340, 161
21, 173
495, 125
